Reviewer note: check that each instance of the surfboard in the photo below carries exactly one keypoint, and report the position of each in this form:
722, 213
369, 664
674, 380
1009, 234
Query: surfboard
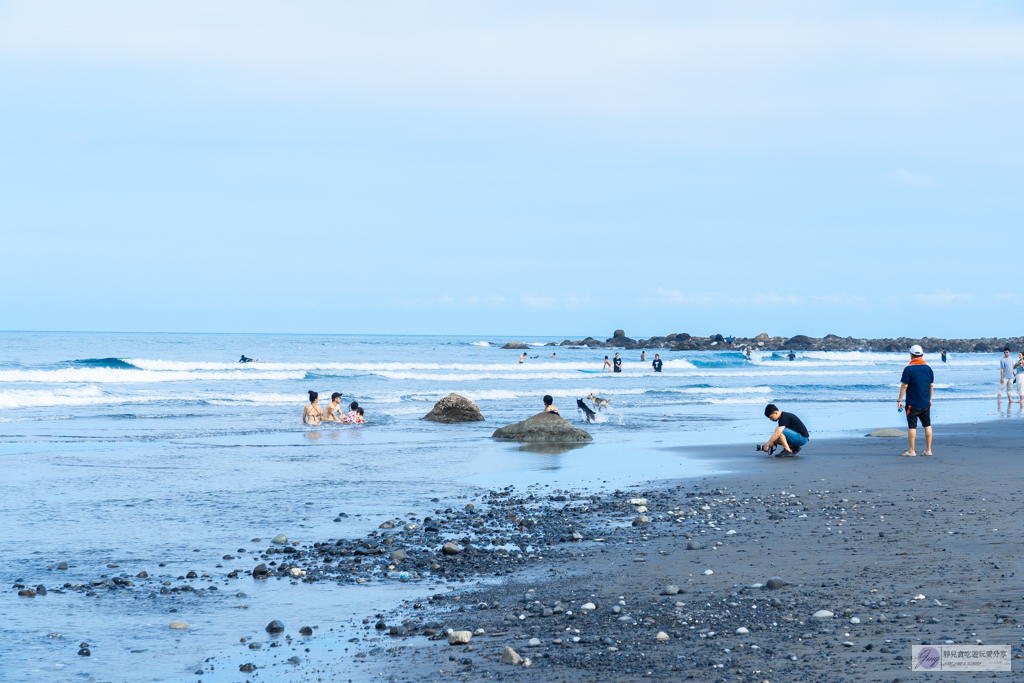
590, 370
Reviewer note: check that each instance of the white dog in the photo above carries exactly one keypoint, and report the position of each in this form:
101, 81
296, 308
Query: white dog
598, 402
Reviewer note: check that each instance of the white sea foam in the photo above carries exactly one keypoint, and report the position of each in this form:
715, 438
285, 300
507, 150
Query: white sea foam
480, 343
121, 376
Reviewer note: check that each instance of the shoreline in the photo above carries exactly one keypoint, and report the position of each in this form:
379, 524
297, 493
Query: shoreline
829, 555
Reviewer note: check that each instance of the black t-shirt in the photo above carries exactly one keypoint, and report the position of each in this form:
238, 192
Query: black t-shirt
793, 422
657, 364
617, 362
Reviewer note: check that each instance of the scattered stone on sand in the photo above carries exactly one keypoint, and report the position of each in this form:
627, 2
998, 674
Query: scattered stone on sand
306, 631
510, 656
662, 637
247, 668
822, 614
543, 428
742, 631
259, 570
887, 433
454, 408
708, 572
62, 565
642, 520
387, 525
854, 620
693, 545
84, 652
27, 592
275, 626
280, 539
775, 583
397, 555
588, 606
460, 637
142, 575
178, 625
451, 548
533, 642
516, 345
670, 590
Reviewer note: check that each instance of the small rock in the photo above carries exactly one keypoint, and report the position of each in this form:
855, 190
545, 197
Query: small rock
533, 642
577, 536
62, 565
459, 637
275, 626
260, 570
510, 656
547, 612
397, 555
847, 644
247, 668
254, 646
662, 637
854, 620
708, 572
822, 614
178, 625
642, 509
526, 661
693, 545
27, 592
670, 590
919, 596
295, 571
280, 539
451, 548
294, 660
775, 583
84, 652
306, 631
641, 521
741, 631
589, 606
142, 575
387, 525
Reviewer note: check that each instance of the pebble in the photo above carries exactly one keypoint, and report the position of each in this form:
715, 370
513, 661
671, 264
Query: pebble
642, 509
306, 631
451, 548
741, 631
822, 614
178, 625
774, 583
662, 637
247, 668
459, 637
294, 660
589, 606
708, 572
280, 539
693, 545
533, 642
62, 565
641, 521
510, 656
854, 620
670, 590
85, 652
275, 626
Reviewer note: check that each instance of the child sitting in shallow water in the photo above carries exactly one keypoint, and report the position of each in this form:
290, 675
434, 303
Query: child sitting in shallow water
355, 413
358, 419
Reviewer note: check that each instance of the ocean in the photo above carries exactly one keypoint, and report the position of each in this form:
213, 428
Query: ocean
122, 452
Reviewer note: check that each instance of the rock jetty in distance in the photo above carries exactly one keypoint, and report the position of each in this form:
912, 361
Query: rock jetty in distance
454, 408
543, 428
682, 341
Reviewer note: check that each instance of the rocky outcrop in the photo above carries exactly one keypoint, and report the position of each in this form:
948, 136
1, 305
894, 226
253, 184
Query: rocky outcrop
682, 341
454, 408
516, 345
543, 428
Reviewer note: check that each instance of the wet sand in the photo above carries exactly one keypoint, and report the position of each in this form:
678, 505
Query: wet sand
849, 527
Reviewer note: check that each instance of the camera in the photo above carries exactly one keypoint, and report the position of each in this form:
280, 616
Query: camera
769, 450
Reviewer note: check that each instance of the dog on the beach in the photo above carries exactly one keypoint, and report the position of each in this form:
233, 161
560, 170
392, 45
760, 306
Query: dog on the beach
598, 401
587, 412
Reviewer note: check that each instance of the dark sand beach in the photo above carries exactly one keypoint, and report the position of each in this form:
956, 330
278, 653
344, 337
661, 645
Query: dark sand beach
849, 527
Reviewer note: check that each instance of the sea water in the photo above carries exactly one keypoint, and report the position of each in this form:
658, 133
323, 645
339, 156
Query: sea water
139, 449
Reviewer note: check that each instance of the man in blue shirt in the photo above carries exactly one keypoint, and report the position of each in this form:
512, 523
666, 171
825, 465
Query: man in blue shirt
918, 384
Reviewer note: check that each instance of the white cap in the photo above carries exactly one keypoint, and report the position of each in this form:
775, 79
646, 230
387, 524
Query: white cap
916, 350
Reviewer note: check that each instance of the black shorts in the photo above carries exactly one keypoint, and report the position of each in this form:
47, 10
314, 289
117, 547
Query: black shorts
914, 413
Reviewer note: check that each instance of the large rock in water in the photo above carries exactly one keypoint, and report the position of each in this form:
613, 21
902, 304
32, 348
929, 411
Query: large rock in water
516, 345
543, 428
454, 408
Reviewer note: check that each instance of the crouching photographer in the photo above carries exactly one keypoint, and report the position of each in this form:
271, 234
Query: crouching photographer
791, 434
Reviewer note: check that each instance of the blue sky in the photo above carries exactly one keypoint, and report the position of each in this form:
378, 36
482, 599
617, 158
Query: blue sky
556, 169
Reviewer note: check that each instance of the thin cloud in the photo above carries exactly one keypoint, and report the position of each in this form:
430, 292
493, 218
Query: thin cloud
908, 179
942, 298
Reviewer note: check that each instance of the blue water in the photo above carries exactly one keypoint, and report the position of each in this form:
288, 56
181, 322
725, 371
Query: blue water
137, 449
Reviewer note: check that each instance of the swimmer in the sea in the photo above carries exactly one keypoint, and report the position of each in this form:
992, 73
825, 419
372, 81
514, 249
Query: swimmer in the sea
522, 357
607, 365
313, 413
554, 355
353, 413
333, 412
549, 405
243, 359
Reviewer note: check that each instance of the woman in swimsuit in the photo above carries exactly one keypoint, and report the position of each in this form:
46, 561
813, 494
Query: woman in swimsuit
334, 413
313, 413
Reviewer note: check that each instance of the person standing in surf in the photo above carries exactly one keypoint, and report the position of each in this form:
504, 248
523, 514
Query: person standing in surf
657, 363
617, 364
313, 414
607, 367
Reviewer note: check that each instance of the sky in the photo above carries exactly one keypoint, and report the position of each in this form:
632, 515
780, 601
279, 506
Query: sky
512, 167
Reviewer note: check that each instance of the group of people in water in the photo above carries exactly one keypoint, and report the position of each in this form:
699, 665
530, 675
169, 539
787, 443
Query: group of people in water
315, 415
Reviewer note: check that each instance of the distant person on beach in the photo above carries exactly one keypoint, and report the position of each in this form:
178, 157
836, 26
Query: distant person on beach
729, 339
522, 357
643, 356
554, 355
313, 413
617, 363
791, 433
918, 383
1005, 376
791, 356
353, 412
943, 352
1018, 369
549, 405
333, 412
748, 353
243, 359
607, 365
657, 363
